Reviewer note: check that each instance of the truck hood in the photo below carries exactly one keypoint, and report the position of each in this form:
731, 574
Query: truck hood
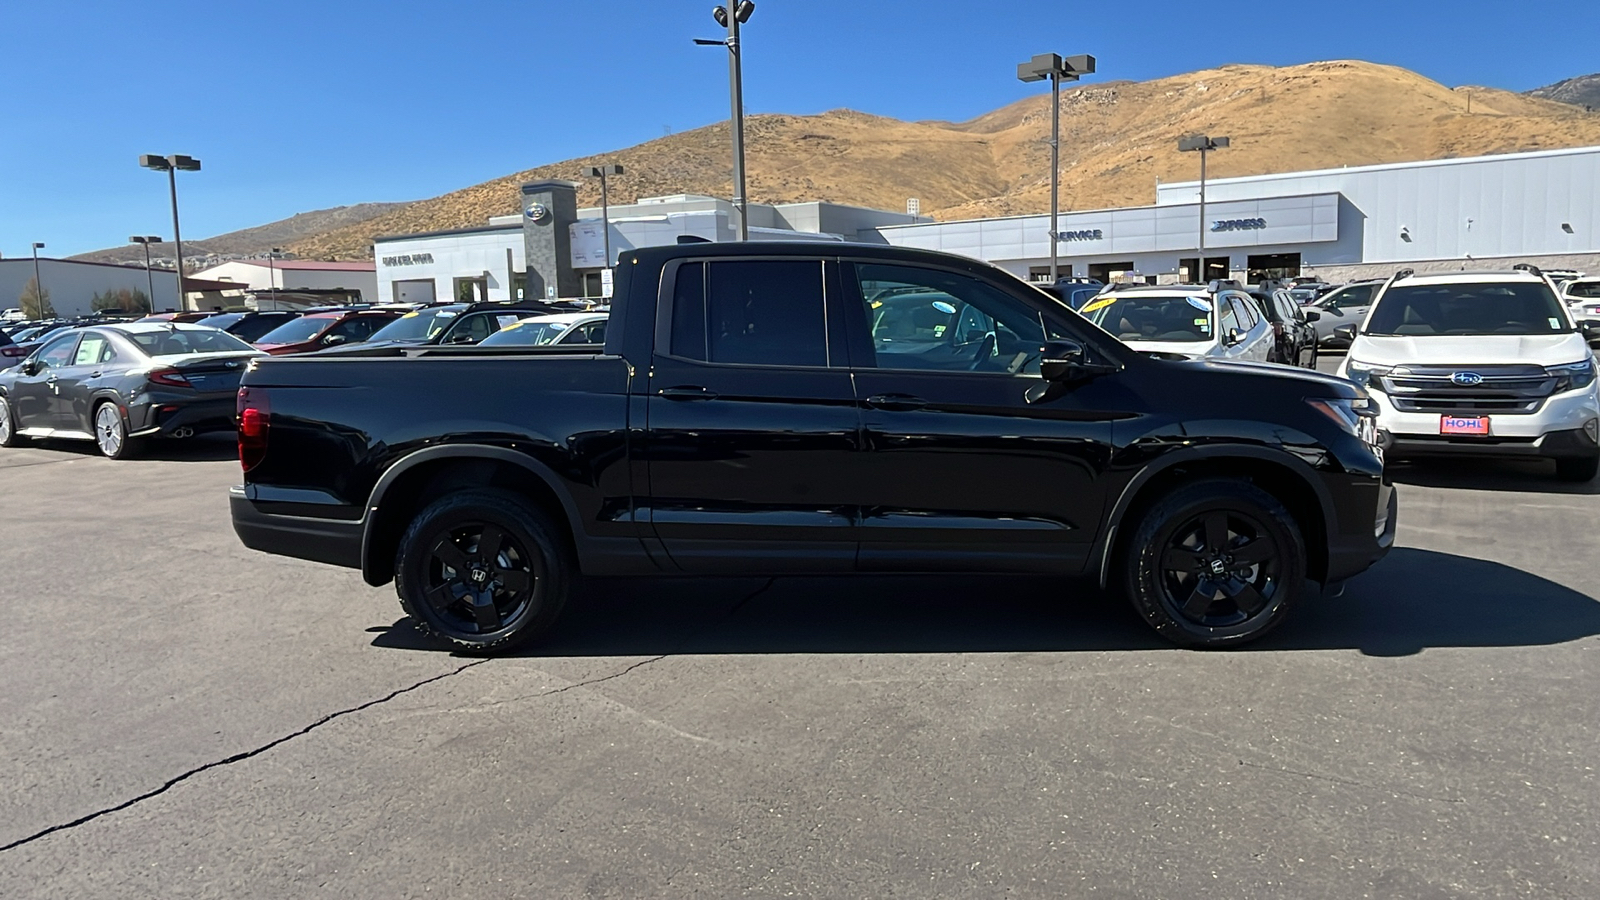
1470, 350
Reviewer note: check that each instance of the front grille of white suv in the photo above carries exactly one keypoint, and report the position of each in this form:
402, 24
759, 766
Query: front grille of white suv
1506, 390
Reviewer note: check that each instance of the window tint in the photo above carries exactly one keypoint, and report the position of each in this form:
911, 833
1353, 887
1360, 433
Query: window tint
1245, 310
928, 319
58, 353
1230, 318
93, 350
1584, 290
1146, 317
1355, 295
761, 312
1288, 311
174, 343
355, 330
1465, 308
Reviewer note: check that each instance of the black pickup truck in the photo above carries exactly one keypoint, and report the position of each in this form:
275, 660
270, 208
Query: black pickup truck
792, 408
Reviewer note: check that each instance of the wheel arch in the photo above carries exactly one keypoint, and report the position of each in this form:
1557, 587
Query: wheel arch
421, 477
1289, 479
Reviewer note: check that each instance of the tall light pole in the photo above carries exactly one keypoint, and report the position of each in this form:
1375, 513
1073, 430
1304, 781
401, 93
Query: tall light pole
272, 273
147, 240
1053, 67
602, 173
172, 165
38, 283
735, 14
1202, 144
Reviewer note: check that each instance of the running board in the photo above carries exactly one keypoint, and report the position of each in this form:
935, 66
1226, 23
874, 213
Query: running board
55, 434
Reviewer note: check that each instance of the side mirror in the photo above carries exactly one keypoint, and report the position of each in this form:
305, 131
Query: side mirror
1591, 331
1061, 361
1234, 336
1313, 316
462, 338
30, 367
334, 340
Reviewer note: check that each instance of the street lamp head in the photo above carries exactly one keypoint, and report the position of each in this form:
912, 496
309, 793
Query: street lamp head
152, 161
1201, 142
184, 163
744, 10
1046, 64
38, 246
602, 171
721, 15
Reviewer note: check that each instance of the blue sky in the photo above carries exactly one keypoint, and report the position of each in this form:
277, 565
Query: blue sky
294, 105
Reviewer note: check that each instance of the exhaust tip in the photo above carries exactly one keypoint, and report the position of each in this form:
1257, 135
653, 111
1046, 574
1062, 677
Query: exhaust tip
183, 432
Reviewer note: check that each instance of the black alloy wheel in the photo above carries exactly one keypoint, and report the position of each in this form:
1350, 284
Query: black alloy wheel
483, 571
1216, 563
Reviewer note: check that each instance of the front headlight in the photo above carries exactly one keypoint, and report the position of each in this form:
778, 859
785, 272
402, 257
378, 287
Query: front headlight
1357, 416
1572, 376
1362, 373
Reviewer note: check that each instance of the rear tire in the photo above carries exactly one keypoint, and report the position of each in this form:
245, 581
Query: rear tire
1578, 469
1216, 563
484, 572
8, 426
111, 432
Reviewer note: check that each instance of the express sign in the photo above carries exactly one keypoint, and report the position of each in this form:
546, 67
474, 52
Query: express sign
1238, 224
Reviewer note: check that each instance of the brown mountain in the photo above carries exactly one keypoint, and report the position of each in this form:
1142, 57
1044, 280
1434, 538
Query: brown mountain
1581, 91
251, 241
1118, 140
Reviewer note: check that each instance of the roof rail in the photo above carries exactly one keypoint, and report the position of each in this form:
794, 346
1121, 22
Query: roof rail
1403, 273
1530, 268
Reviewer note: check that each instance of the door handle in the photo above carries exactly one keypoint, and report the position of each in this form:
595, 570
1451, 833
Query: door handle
896, 402
687, 392
94, 374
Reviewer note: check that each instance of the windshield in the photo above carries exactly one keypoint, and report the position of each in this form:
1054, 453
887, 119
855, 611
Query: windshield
527, 333
222, 320
293, 332
1348, 297
175, 343
1141, 317
418, 326
1584, 290
1483, 308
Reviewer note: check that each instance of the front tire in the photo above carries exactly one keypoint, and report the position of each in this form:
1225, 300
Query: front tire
1581, 469
8, 426
111, 432
483, 572
1216, 563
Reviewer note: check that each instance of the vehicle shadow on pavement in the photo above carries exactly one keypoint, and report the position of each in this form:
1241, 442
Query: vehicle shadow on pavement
1521, 476
1413, 600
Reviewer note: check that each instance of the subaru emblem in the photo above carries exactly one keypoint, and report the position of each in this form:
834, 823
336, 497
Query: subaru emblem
1467, 379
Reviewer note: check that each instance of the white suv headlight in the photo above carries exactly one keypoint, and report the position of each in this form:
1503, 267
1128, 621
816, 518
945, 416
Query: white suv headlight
1572, 376
1362, 373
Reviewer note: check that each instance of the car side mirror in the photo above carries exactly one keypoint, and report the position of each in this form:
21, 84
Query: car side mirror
1234, 336
1591, 331
463, 338
1313, 316
334, 339
30, 367
1061, 361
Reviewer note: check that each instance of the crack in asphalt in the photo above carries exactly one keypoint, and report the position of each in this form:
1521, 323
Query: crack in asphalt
237, 757
1348, 782
250, 754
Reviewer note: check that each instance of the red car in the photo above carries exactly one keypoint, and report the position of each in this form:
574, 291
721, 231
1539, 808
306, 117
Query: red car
320, 330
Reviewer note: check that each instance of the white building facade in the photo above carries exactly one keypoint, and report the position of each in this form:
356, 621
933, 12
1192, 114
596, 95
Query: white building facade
489, 262
1365, 221
71, 285
296, 274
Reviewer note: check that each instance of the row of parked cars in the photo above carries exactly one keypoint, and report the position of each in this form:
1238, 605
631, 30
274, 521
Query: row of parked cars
117, 381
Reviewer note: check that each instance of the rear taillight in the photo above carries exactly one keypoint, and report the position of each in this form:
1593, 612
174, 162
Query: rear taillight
255, 419
13, 351
168, 377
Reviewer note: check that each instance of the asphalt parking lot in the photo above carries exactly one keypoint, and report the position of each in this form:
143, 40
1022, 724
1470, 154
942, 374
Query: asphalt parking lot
187, 718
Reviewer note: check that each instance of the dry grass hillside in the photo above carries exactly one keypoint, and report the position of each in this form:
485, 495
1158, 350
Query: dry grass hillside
1118, 140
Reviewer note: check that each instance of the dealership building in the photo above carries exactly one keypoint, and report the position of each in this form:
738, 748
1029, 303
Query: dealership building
1438, 215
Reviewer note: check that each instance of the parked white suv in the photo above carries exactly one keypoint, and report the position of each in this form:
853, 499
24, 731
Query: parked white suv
1184, 321
1582, 296
1481, 364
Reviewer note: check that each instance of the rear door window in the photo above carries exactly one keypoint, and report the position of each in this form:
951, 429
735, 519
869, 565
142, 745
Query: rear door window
755, 312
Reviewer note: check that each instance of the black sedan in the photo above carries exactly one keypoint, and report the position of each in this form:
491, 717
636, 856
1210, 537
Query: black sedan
117, 384
1294, 335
